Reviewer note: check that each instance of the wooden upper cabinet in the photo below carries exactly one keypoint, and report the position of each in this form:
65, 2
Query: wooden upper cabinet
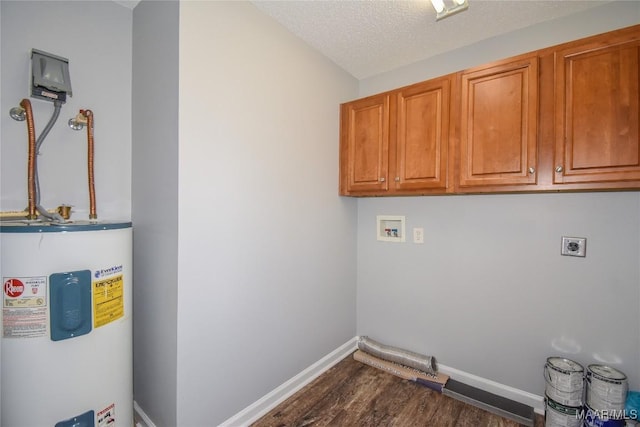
597, 112
397, 142
420, 116
563, 118
364, 145
499, 125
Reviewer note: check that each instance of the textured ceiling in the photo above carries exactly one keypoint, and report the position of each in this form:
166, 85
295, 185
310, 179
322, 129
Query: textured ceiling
369, 37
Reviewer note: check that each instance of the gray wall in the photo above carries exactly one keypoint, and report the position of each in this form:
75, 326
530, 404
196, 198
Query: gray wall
488, 293
155, 207
267, 248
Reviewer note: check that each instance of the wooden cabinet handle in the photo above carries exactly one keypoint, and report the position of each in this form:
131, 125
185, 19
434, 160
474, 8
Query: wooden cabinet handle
397, 179
559, 169
532, 170
382, 179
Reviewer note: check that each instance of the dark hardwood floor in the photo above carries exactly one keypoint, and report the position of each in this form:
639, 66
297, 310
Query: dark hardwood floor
354, 394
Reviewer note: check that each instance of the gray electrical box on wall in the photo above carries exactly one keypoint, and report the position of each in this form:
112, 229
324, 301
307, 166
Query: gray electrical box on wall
49, 76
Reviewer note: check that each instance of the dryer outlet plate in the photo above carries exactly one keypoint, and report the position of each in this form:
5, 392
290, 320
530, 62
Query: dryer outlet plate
574, 246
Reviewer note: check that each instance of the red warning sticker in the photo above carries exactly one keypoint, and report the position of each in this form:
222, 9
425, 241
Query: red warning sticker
107, 417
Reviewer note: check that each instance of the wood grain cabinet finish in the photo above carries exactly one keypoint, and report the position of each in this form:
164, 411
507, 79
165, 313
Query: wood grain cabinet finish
420, 116
499, 125
597, 113
397, 142
563, 118
364, 145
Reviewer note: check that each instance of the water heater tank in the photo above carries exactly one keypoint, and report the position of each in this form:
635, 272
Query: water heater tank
67, 325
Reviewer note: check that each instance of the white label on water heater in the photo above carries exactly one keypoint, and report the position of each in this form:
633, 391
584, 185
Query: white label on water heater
107, 417
24, 307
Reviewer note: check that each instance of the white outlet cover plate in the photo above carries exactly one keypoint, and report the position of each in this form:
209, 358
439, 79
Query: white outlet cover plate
418, 235
574, 246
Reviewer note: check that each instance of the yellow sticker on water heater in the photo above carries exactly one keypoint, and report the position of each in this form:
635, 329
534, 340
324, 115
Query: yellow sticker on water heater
108, 300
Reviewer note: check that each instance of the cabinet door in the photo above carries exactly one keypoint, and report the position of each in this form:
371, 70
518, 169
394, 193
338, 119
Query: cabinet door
421, 135
364, 145
499, 125
597, 113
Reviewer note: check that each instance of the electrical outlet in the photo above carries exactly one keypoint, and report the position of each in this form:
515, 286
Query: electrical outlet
418, 235
574, 246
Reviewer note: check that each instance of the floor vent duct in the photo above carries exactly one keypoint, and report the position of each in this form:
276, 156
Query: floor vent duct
493, 403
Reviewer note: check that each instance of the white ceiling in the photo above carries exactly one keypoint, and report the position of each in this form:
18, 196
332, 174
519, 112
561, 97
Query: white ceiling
369, 37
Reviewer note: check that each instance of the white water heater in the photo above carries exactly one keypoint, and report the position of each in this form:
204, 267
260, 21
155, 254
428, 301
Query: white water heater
67, 324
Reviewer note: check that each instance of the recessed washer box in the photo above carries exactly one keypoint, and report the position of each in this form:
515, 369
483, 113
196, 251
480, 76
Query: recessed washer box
390, 228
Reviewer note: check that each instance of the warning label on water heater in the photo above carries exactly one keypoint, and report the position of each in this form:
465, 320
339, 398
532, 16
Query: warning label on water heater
24, 307
108, 300
107, 417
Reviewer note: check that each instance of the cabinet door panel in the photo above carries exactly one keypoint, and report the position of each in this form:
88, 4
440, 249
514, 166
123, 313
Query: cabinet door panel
597, 125
366, 125
499, 124
422, 135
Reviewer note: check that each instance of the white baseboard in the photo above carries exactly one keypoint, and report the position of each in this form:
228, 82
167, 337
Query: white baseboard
530, 399
141, 419
261, 407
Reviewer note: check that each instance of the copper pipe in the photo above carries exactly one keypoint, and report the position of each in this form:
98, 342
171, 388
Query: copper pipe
31, 166
92, 191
